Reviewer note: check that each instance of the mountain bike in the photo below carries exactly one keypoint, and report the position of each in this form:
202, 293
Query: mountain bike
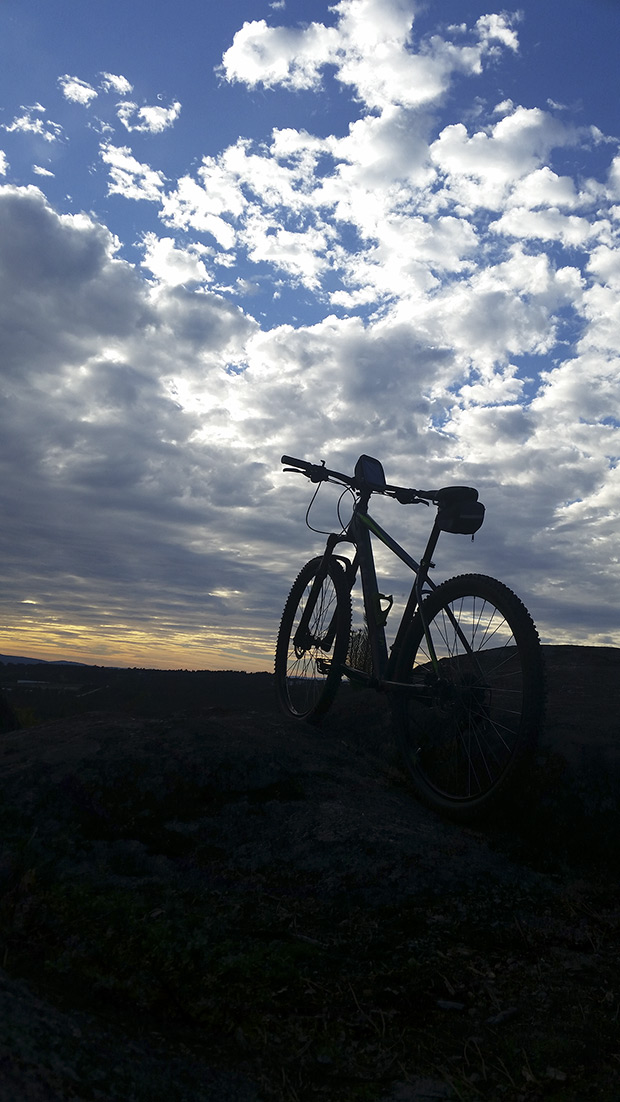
464, 674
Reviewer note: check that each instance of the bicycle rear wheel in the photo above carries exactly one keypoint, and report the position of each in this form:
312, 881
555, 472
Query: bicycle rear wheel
471, 721
308, 669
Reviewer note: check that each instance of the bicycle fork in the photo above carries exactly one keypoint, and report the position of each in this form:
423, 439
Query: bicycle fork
303, 638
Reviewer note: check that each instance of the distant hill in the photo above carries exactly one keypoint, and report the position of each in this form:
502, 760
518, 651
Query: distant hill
19, 661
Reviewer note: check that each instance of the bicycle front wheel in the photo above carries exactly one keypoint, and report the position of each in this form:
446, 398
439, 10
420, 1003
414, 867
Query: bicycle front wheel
308, 664
472, 716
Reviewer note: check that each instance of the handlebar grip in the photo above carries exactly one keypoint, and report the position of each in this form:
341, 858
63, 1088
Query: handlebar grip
312, 471
303, 464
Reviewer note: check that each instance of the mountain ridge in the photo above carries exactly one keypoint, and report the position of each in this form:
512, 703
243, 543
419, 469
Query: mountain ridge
20, 660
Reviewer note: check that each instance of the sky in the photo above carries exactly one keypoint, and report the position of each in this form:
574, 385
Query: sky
232, 231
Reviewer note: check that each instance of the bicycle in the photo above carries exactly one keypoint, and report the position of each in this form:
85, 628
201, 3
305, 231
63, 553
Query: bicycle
464, 673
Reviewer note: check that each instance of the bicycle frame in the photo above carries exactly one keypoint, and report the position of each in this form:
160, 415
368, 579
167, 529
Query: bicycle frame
358, 532
463, 671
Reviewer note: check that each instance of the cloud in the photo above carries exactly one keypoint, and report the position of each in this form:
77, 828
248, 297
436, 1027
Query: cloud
60, 280
129, 177
480, 169
300, 254
498, 28
116, 477
172, 265
116, 83
203, 206
411, 199
458, 270
4, 164
144, 460
281, 55
147, 120
32, 123
399, 74
544, 188
548, 225
76, 90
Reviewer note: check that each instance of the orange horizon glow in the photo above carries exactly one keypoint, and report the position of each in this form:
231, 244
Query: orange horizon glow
133, 647
126, 648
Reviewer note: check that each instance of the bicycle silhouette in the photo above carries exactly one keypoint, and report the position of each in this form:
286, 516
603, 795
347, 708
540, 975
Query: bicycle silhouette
464, 674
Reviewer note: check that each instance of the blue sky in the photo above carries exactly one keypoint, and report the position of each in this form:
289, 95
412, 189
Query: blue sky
232, 231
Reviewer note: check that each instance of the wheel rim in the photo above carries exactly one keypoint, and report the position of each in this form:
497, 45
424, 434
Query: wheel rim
464, 734
308, 659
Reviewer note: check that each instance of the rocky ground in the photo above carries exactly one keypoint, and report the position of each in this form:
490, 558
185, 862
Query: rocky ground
227, 905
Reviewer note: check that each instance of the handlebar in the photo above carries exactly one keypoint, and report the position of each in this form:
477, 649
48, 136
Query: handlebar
315, 472
320, 473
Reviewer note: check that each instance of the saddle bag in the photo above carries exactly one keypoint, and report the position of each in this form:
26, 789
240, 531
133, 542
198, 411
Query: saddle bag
459, 510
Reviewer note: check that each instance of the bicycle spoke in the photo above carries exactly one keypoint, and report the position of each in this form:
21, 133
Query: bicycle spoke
464, 732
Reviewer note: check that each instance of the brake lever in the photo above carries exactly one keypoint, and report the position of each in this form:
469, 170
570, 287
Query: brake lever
404, 498
317, 474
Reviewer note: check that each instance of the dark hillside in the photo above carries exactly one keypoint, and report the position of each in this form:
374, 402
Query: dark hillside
203, 901
43, 692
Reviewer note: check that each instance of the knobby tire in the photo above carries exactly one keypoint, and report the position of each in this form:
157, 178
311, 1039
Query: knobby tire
476, 722
307, 673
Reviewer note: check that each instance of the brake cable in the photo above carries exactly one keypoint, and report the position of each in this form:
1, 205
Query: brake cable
321, 531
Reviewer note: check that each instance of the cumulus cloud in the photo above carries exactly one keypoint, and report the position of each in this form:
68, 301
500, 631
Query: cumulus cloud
117, 476
295, 57
207, 204
111, 82
548, 225
498, 28
129, 177
147, 120
480, 169
172, 265
60, 279
544, 188
279, 55
31, 122
76, 90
